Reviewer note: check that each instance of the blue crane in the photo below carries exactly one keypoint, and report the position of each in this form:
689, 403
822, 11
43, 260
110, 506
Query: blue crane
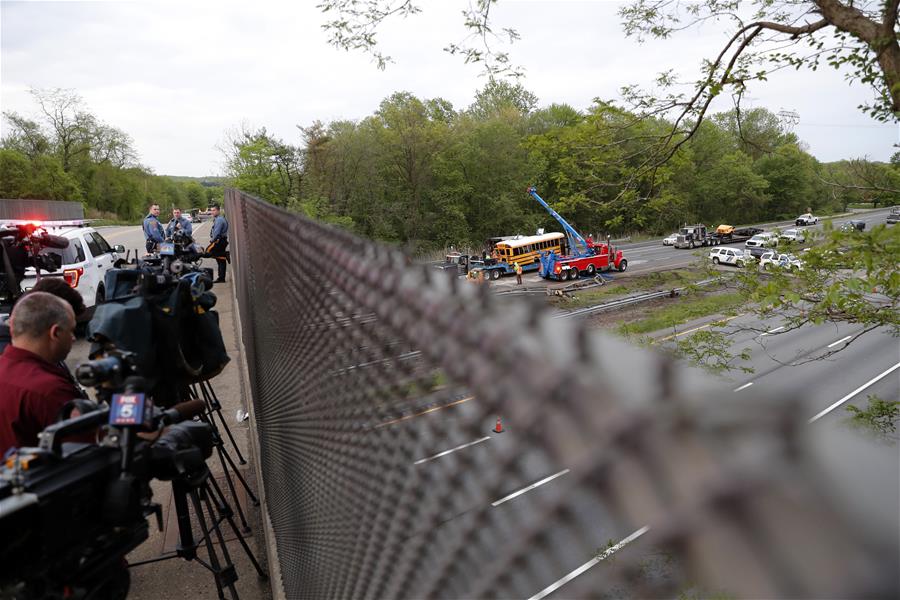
577, 244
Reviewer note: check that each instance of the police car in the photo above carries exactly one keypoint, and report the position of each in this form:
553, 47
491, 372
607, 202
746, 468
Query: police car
84, 263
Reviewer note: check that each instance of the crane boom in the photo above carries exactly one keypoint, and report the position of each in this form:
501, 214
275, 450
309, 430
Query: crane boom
577, 244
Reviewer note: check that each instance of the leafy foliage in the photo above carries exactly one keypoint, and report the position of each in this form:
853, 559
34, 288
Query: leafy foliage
850, 277
421, 173
67, 153
711, 350
880, 417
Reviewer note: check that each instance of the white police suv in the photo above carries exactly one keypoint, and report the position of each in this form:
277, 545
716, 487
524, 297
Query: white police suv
84, 263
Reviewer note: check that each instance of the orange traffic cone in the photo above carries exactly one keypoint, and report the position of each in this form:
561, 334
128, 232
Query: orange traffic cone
499, 427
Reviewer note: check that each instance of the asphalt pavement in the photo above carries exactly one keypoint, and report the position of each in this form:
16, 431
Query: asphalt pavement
644, 257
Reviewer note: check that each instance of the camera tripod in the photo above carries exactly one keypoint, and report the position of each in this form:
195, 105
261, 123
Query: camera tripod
211, 509
205, 391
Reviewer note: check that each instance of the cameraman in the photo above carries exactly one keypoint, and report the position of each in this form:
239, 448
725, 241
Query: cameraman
52, 285
179, 222
153, 229
34, 387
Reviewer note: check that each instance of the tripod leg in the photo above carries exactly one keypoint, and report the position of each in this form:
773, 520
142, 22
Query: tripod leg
221, 503
223, 577
212, 402
187, 547
230, 483
243, 481
225, 458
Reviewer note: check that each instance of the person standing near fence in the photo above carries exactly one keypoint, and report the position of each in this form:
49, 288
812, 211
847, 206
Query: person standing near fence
153, 229
218, 241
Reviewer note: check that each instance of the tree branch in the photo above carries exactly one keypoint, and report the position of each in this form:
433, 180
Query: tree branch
849, 19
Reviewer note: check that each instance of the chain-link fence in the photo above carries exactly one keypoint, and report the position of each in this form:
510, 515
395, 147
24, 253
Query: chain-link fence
376, 385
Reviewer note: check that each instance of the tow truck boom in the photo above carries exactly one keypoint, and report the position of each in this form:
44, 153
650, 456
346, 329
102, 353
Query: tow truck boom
577, 244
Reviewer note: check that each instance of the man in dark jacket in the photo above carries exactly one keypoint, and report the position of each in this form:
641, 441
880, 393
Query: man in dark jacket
179, 222
218, 241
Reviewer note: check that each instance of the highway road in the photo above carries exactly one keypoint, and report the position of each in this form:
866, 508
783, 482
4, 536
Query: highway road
648, 256
644, 257
827, 363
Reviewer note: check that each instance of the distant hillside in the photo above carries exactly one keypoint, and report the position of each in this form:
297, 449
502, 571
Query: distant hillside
207, 181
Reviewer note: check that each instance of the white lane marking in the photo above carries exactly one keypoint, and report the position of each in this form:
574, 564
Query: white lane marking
606, 554
855, 392
743, 387
843, 339
773, 330
446, 452
529, 488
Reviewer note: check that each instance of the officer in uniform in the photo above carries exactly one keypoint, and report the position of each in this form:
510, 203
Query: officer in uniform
179, 222
218, 241
153, 229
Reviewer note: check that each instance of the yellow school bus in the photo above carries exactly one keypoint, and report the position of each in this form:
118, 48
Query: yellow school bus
527, 250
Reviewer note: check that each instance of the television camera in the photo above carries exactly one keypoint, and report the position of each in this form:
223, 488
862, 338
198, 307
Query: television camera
70, 512
21, 246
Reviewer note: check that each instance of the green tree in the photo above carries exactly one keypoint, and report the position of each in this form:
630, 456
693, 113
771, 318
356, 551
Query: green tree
264, 165
499, 98
41, 177
757, 132
195, 195
790, 174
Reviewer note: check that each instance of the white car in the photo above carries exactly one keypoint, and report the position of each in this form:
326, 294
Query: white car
806, 219
784, 261
762, 240
84, 263
797, 236
730, 256
670, 241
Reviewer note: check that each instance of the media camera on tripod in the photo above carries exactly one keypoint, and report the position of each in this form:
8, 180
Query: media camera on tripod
70, 512
20, 247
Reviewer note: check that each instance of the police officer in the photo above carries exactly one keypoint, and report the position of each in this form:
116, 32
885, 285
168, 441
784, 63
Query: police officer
153, 229
179, 222
218, 241
518, 268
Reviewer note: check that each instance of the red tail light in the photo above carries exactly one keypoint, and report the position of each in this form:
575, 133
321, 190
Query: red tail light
73, 276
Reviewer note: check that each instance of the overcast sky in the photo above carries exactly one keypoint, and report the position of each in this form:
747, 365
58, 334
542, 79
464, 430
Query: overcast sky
177, 75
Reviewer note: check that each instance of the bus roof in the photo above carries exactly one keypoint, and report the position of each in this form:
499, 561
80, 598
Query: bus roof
531, 239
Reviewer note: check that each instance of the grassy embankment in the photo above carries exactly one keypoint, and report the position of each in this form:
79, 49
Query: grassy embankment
659, 280
687, 309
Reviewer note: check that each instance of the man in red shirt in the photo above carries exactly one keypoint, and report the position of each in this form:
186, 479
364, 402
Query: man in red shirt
33, 387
